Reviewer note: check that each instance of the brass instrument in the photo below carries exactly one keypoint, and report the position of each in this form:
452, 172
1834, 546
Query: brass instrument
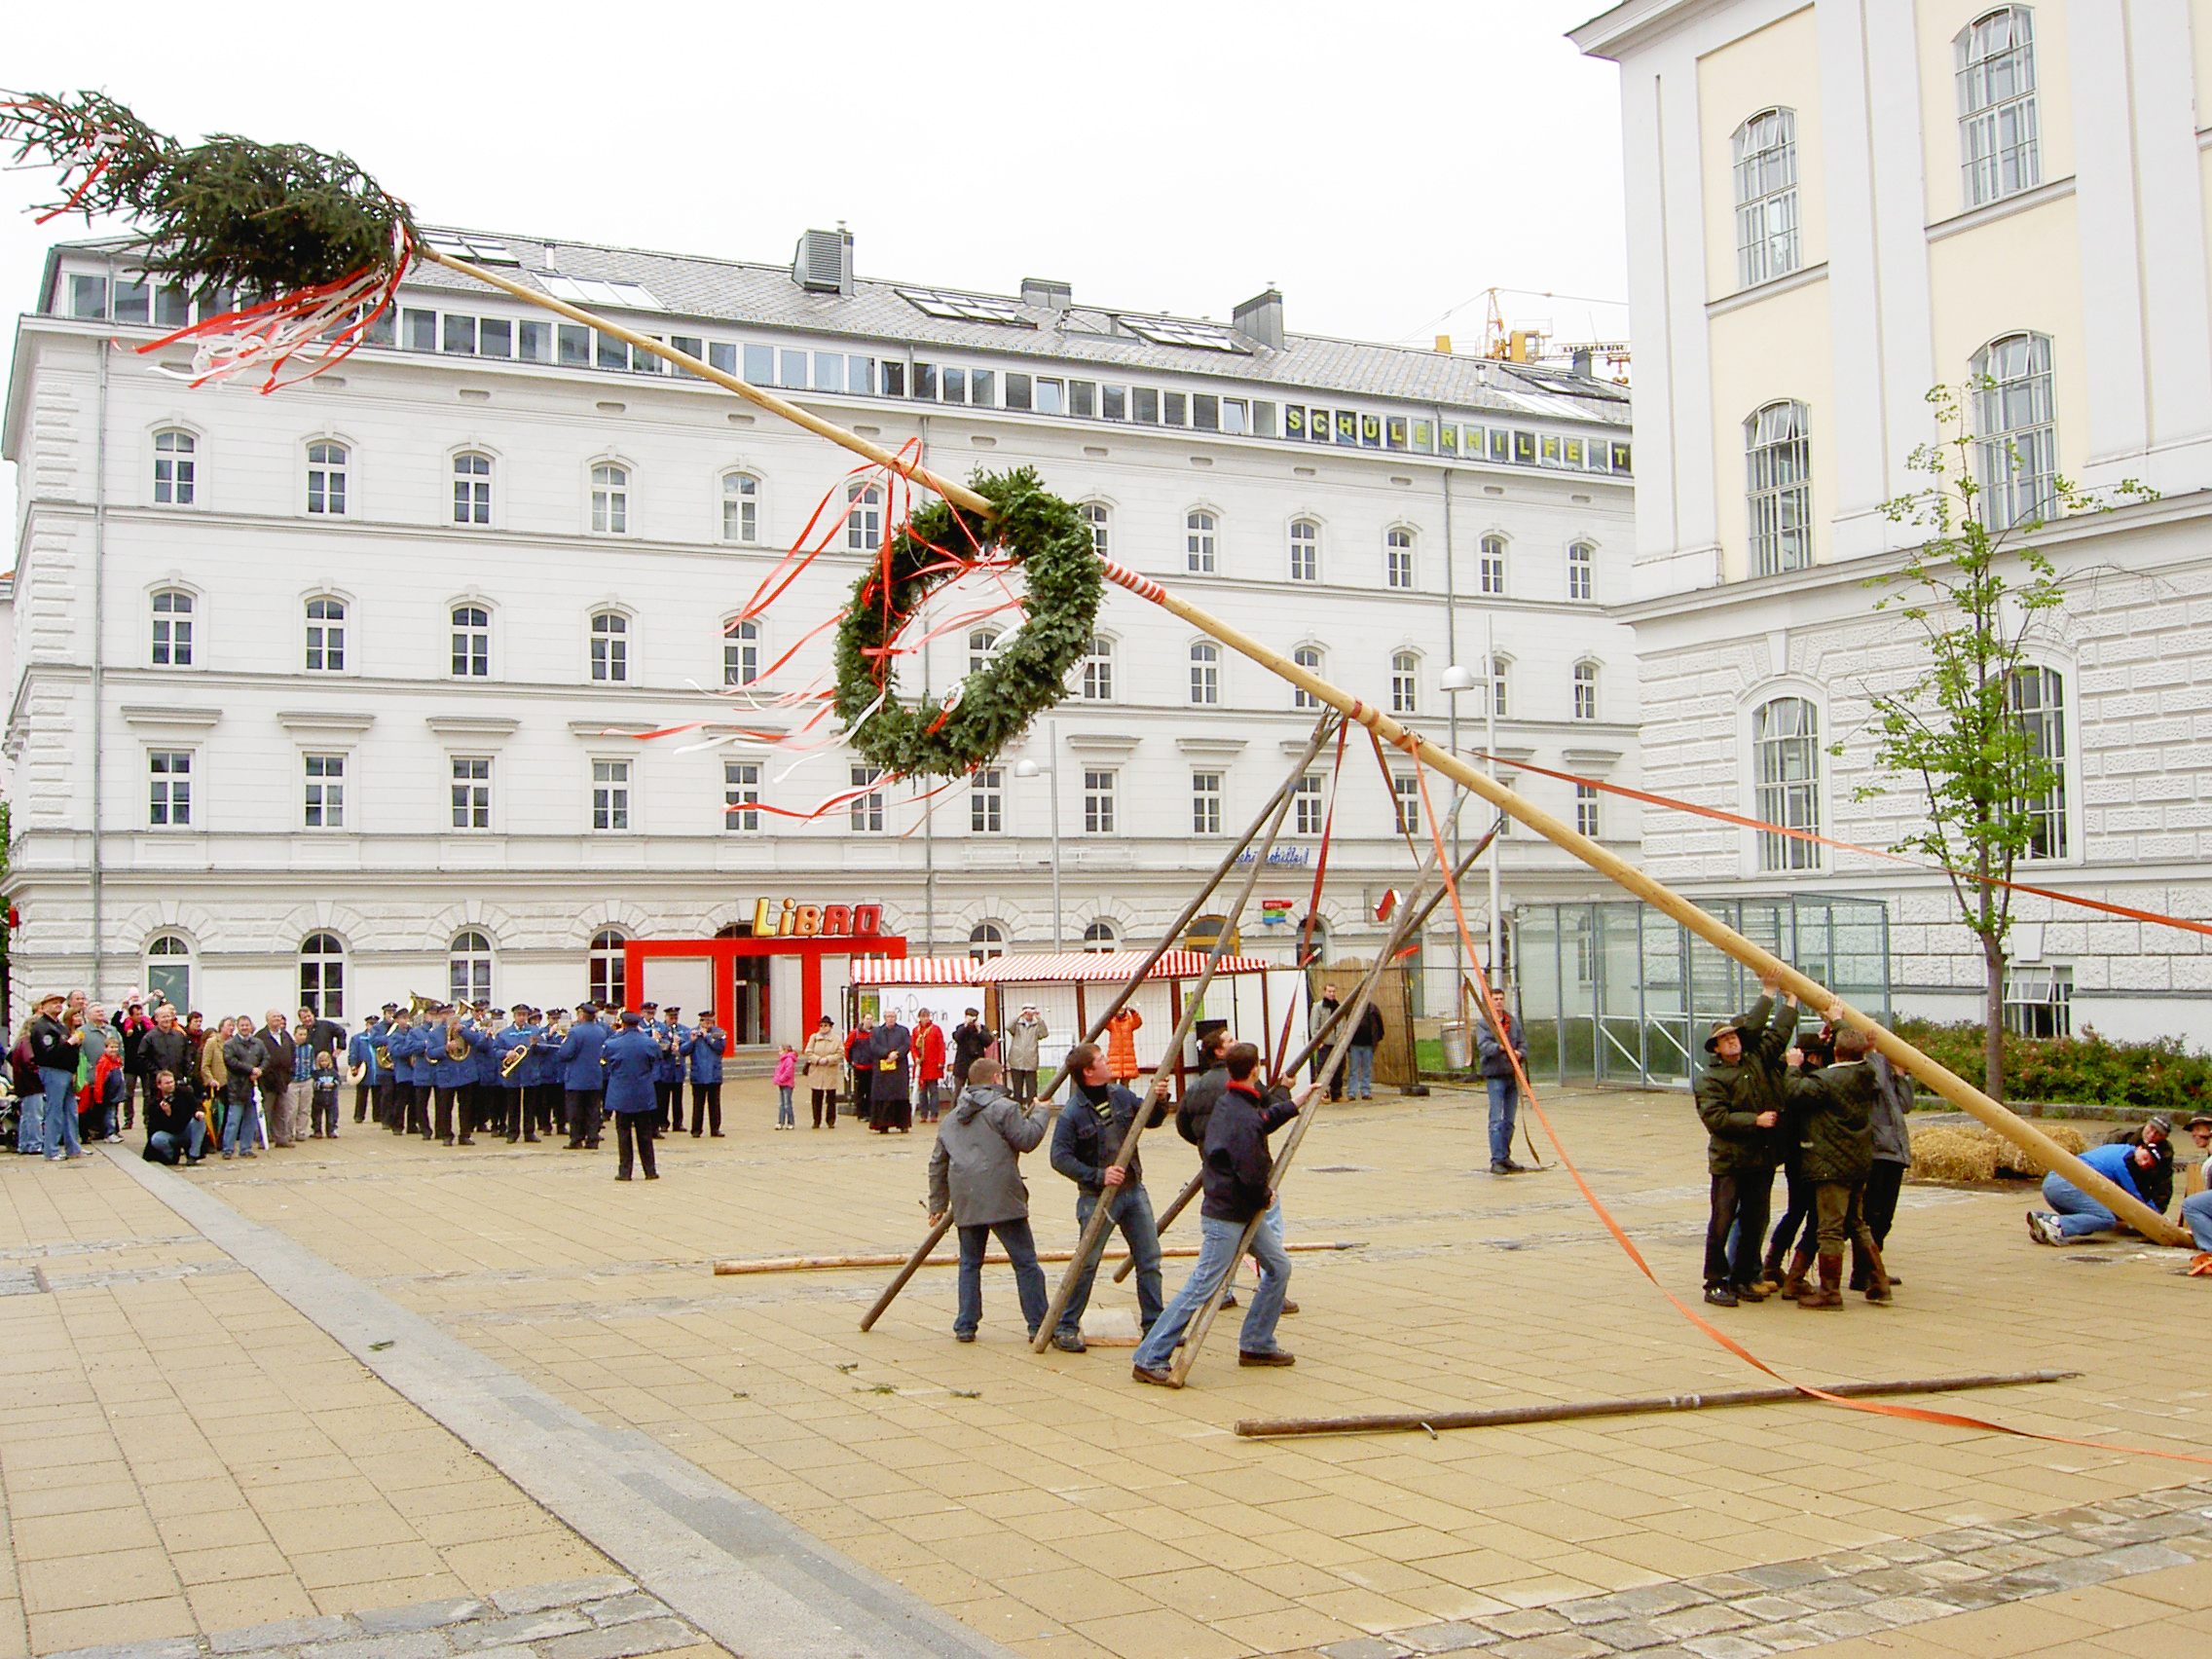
384, 1054
511, 1061
417, 1005
457, 1040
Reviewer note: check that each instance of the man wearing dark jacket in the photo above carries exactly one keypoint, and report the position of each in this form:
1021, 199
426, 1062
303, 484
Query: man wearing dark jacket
164, 1048
54, 1049
1359, 1055
887, 1060
1238, 1173
972, 1040
976, 1179
1893, 1156
283, 1062
1835, 1107
1738, 1100
1092, 1125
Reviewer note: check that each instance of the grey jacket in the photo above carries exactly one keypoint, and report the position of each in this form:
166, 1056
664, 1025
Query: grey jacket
973, 1170
1024, 1037
242, 1056
1493, 1060
1893, 1094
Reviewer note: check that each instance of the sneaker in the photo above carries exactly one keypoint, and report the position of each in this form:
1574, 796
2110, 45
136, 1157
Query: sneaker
115, 1141
1721, 1296
249, 1155
1069, 1341
2043, 1227
1271, 1357
1158, 1379
228, 1156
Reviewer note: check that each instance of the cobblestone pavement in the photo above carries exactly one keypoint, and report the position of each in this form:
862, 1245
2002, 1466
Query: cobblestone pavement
1051, 1506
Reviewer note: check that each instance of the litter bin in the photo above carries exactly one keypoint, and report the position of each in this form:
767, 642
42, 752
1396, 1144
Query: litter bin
1458, 1046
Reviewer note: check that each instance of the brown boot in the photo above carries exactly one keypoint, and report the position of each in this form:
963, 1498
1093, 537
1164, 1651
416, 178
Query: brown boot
1830, 1292
1793, 1281
1877, 1276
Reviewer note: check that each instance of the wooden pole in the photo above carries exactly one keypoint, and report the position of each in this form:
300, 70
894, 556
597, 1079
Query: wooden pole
743, 1266
1400, 1422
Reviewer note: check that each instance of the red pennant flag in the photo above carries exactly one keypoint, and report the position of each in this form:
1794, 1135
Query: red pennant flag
1389, 903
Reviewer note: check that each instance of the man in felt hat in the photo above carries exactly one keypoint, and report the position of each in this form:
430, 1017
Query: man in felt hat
49, 1126
2197, 1208
1738, 1100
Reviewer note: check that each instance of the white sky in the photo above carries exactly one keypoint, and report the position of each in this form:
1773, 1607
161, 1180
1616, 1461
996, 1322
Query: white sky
1382, 162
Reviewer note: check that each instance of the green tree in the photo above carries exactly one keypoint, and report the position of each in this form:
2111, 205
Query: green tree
1980, 597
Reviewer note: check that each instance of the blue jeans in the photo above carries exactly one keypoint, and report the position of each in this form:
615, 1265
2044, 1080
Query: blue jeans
1132, 1214
1217, 1256
784, 1119
59, 1133
1359, 1070
2079, 1214
1504, 1107
2196, 1216
1028, 1277
196, 1139
243, 1122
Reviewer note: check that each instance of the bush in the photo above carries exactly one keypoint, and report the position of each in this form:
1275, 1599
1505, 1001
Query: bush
2089, 1070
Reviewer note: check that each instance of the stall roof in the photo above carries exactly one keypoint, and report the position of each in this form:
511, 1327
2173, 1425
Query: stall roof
1062, 968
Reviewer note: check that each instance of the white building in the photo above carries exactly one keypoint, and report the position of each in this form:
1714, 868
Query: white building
1833, 207
331, 690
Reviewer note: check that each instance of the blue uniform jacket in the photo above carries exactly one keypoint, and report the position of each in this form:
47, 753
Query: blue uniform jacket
633, 1058
408, 1061
504, 1043
361, 1050
479, 1065
670, 1066
578, 1058
706, 1054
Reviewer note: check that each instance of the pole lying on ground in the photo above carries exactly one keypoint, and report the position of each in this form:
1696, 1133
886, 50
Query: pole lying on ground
1400, 1422
2046, 1153
991, 1258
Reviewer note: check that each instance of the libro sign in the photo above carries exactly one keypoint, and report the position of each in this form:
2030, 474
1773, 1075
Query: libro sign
793, 920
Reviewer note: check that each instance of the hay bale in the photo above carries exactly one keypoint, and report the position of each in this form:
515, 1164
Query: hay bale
1941, 1153
2012, 1161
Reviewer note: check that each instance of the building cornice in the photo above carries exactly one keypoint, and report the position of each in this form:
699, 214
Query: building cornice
1635, 25
472, 725
325, 720
1804, 276
1989, 212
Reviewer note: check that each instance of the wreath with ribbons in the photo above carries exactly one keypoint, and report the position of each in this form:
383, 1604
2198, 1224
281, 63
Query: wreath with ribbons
1032, 529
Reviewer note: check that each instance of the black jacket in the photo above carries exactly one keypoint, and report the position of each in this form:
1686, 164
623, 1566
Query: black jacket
51, 1047
282, 1064
972, 1039
1238, 1166
1085, 1139
166, 1050
1199, 1102
1369, 1031
1731, 1097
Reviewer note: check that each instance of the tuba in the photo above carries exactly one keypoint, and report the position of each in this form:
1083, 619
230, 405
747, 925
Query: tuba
457, 1040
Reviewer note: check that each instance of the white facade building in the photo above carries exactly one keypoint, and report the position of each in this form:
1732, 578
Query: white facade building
1833, 207
334, 690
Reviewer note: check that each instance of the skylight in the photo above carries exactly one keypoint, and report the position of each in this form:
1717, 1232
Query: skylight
1172, 331
591, 291
966, 308
482, 250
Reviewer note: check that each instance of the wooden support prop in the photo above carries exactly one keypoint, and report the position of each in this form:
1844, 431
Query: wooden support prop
991, 1258
2048, 1154
1401, 1423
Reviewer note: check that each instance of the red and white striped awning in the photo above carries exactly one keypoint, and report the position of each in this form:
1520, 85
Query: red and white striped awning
915, 970
1062, 968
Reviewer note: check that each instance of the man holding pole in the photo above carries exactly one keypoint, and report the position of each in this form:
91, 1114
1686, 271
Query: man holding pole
1499, 1051
1738, 1100
974, 1177
1092, 1128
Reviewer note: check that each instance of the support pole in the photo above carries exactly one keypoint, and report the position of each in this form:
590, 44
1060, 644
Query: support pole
743, 1266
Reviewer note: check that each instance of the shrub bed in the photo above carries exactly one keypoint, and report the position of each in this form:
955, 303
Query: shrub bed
2089, 1070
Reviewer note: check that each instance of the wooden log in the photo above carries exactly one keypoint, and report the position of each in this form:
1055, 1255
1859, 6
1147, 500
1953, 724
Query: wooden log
743, 1264
1400, 1422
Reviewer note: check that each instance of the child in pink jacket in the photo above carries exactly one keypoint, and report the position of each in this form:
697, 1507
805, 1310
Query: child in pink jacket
787, 1075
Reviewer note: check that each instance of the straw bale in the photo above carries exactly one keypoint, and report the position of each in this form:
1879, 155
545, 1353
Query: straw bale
1942, 1152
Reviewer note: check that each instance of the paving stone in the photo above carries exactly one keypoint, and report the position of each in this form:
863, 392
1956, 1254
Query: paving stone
1908, 1609
1365, 1648
1786, 1574
403, 1644
1625, 1636
2064, 1544
1526, 1621
1949, 1572
534, 1597
1560, 1644
1850, 1562
1724, 1585
1452, 1635
624, 1609
1889, 1581
522, 1628
2147, 1558
2027, 1527
1835, 1593
283, 1632
646, 1636
1648, 1599
421, 1615
2080, 1571
1905, 1552
1686, 1622
1767, 1610
1726, 1646
2196, 1548
172, 1648
1845, 1621
1587, 1609
1788, 1638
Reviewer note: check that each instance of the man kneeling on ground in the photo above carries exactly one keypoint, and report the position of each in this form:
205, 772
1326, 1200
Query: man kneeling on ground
974, 1175
2134, 1168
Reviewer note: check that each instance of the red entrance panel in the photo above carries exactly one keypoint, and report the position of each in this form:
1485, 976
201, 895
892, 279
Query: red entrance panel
723, 953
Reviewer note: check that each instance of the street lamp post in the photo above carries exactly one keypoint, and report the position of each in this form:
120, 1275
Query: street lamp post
1455, 680
1032, 769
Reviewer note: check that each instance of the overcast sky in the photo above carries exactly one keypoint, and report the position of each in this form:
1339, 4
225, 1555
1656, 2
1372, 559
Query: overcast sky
1382, 164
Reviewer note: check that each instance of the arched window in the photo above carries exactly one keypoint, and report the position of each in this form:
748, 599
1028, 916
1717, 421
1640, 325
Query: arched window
1581, 571
1100, 518
1398, 558
610, 647
471, 489
1101, 936
1585, 691
610, 499
609, 981
2015, 430
176, 467
472, 642
986, 939
1099, 671
2037, 700
1200, 531
1404, 683
1766, 198
1314, 932
468, 968
326, 636
981, 643
1785, 761
327, 467
1305, 551
740, 508
1997, 144
172, 628
322, 975
1308, 657
168, 972
1777, 487
1205, 674
864, 517
1501, 668
1489, 566
741, 654
1204, 932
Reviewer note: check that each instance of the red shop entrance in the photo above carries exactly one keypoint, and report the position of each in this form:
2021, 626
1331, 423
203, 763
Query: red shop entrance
748, 1017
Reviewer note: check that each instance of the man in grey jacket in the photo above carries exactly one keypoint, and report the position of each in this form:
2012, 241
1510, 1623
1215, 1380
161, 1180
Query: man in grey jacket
1893, 1156
1501, 1079
1024, 1038
975, 1177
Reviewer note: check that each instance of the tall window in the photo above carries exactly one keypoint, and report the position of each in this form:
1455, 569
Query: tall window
740, 508
987, 801
1998, 146
326, 479
741, 795
472, 488
1200, 531
326, 636
1398, 558
322, 975
2015, 430
1305, 805
1585, 691
1586, 810
472, 642
168, 777
1206, 803
325, 792
176, 468
471, 791
169, 971
1489, 568
1581, 571
1308, 657
1786, 755
986, 939
1404, 679
611, 794
468, 968
1205, 674
1100, 518
609, 972
864, 517
1305, 551
172, 628
1766, 198
610, 499
2038, 697
610, 647
866, 812
1405, 797
2039, 1002
1100, 935
741, 654
1777, 484
981, 643
1099, 788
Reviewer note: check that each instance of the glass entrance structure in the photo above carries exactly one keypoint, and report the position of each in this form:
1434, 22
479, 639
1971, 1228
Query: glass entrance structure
1616, 993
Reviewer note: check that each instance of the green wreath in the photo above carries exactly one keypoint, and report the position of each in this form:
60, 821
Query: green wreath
1048, 537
